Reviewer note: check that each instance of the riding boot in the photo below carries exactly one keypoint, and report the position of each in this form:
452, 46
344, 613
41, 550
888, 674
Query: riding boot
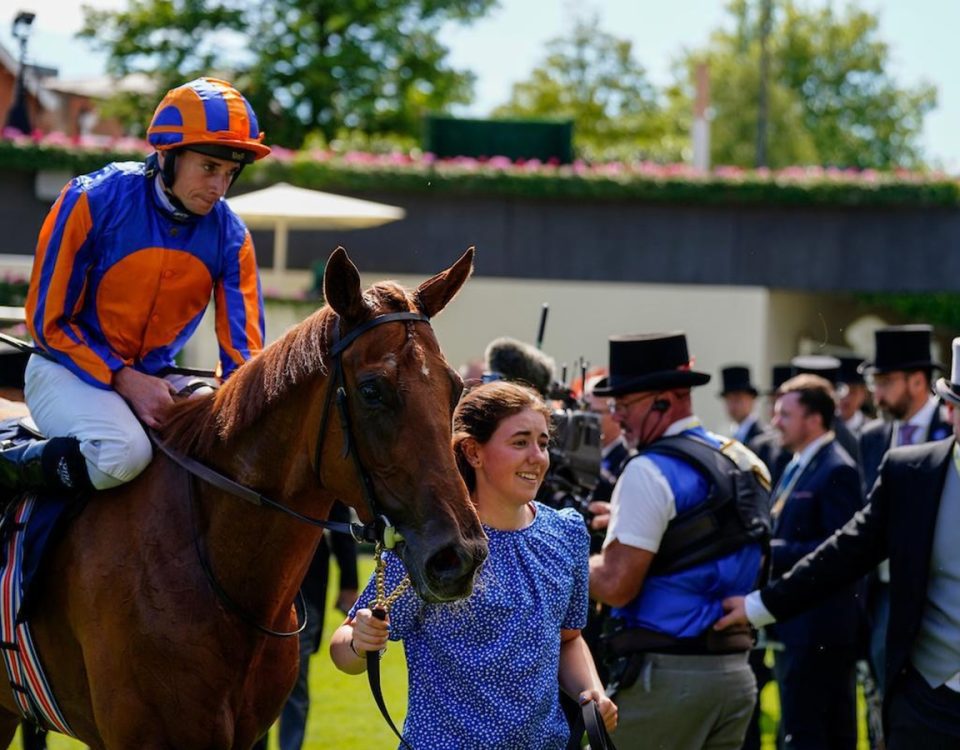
53, 465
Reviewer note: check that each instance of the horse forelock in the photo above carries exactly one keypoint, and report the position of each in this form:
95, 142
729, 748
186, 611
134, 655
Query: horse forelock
196, 426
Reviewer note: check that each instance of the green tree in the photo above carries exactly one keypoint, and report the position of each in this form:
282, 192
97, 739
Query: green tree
593, 78
831, 98
305, 65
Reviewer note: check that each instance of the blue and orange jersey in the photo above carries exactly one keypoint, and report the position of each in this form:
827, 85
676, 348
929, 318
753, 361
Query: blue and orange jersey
117, 281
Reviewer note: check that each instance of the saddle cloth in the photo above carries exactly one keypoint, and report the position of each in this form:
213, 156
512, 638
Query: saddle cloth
26, 531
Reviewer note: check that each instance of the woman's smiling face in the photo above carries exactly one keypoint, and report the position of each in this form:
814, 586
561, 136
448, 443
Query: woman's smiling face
513, 463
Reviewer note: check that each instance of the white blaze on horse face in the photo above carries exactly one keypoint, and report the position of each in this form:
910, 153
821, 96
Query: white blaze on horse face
420, 354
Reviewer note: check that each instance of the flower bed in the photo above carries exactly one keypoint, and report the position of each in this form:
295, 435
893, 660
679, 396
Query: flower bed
498, 176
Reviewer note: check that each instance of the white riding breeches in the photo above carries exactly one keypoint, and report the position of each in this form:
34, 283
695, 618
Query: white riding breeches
112, 440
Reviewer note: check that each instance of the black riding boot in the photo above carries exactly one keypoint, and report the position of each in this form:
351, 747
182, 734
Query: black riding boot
54, 465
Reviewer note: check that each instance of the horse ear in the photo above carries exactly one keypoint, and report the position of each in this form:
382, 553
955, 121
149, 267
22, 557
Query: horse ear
434, 294
341, 286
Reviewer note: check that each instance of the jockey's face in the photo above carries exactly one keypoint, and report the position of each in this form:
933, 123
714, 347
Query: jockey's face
201, 180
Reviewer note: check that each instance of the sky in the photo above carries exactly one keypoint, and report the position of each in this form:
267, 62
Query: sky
502, 48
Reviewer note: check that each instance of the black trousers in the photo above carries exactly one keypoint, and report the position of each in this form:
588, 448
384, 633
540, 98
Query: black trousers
818, 689
921, 716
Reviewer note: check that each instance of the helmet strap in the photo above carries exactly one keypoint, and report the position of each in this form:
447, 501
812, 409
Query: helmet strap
169, 170
167, 174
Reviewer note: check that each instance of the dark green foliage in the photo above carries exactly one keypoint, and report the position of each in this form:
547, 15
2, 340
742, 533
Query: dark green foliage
305, 65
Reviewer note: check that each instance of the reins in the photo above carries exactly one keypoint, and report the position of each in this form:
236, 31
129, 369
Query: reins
380, 531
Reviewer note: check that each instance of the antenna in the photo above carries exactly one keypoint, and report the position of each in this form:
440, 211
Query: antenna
543, 324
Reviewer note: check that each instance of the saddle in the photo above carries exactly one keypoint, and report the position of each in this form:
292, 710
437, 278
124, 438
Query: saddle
28, 527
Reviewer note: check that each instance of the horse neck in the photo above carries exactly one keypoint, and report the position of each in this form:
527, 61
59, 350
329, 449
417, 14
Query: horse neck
259, 555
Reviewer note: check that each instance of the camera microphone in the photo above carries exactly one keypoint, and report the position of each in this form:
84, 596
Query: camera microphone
510, 359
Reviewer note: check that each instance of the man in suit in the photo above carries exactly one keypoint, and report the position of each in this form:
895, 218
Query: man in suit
901, 373
767, 444
817, 494
828, 368
911, 517
853, 396
740, 400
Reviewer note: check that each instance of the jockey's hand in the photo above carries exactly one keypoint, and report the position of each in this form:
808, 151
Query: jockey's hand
601, 515
608, 709
736, 613
369, 632
148, 396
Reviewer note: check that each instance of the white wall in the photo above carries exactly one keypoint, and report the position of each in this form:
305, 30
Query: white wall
724, 325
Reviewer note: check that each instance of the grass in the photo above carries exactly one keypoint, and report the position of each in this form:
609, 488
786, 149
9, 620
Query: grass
343, 715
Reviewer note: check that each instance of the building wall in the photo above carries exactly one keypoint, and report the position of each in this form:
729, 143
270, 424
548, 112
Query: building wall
723, 324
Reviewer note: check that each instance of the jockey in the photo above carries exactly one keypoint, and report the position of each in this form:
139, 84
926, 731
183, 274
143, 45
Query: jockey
125, 266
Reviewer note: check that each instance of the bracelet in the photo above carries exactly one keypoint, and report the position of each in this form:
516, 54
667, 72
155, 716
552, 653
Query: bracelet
363, 656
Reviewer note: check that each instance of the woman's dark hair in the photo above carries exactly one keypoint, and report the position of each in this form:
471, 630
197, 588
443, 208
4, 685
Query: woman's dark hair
481, 411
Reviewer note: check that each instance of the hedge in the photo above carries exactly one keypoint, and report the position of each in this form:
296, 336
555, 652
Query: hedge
497, 176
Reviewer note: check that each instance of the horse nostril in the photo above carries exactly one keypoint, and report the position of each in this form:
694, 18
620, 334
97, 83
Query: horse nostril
449, 563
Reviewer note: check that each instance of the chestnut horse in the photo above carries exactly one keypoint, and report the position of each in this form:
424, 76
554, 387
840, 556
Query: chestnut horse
140, 650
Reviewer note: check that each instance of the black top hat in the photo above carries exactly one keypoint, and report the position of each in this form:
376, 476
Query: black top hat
736, 379
779, 375
949, 390
850, 372
649, 362
825, 366
902, 348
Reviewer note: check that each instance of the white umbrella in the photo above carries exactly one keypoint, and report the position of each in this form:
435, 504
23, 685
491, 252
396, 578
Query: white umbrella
284, 207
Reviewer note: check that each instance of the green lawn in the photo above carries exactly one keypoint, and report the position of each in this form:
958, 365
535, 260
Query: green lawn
344, 716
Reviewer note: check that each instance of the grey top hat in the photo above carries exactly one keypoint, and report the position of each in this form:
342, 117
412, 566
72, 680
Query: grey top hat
949, 390
817, 364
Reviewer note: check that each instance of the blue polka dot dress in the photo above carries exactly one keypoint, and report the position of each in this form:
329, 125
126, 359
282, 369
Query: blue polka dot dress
483, 671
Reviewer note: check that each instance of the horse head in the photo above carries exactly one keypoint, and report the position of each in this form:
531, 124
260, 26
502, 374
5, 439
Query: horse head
399, 394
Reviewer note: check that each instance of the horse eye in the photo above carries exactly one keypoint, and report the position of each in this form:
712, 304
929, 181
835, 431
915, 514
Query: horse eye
370, 393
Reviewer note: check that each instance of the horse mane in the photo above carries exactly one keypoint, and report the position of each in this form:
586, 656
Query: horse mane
197, 425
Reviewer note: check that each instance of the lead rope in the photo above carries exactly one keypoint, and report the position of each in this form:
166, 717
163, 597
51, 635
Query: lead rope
381, 606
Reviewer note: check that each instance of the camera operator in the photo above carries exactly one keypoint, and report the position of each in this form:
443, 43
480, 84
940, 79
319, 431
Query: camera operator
613, 453
682, 686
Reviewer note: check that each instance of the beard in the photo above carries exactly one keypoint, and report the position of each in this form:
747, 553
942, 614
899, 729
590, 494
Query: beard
896, 409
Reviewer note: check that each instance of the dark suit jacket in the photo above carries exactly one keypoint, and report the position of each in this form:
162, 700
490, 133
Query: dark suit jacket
823, 499
897, 523
755, 429
847, 439
875, 439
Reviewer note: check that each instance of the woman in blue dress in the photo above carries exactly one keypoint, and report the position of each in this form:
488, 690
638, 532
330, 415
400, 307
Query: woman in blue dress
484, 671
